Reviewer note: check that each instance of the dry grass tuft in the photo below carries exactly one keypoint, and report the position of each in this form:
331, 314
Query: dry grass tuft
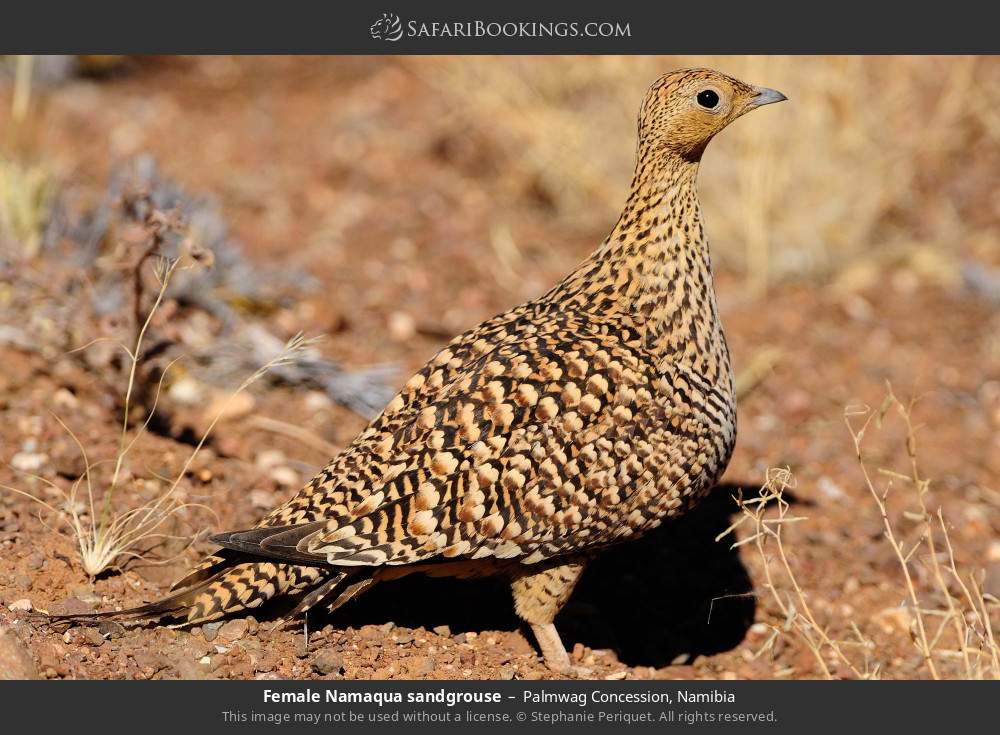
105, 534
26, 193
952, 622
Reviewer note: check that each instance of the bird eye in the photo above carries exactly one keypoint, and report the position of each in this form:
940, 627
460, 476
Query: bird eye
708, 98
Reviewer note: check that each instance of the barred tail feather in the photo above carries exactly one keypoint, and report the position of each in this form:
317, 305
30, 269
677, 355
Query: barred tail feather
209, 568
248, 586
223, 584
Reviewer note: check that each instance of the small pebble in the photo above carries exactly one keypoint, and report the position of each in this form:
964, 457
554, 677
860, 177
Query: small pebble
830, 489
402, 326
16, 662
92, 637
285, 476
233, 630
229, 408
65, 399
28, 461
68, 462
318, 401
110, 629
993, 551
187, 392
261, 498
421, 666
269, 459
328, 662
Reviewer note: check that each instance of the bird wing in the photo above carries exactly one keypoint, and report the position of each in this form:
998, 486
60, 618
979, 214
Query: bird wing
355, 474
543, 444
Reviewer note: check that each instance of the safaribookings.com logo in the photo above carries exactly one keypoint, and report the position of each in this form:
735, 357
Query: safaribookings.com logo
387, 28
390, 28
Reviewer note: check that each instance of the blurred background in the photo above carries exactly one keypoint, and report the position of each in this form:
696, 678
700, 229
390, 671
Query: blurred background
389, 203
886, 153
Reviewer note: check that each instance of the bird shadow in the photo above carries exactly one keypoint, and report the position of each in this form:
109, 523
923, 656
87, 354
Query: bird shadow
668, 597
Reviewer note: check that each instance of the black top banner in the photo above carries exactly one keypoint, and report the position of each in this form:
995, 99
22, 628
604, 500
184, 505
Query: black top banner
510, 27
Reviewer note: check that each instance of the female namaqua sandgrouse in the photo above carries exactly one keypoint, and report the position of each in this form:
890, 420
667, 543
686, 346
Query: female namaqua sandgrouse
578, 420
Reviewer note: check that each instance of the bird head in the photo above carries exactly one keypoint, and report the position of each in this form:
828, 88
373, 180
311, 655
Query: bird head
684, 109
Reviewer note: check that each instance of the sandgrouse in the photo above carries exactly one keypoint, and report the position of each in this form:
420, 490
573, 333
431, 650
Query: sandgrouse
575, 421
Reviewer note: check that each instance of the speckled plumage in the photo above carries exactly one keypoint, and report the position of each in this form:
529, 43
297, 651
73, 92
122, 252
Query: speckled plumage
580, 419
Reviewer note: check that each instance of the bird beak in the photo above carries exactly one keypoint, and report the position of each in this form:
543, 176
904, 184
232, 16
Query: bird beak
765, 96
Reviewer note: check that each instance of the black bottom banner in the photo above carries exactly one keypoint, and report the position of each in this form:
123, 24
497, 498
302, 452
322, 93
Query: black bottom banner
276, 706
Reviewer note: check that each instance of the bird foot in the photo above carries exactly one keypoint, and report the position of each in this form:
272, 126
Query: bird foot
575, 671
554, 652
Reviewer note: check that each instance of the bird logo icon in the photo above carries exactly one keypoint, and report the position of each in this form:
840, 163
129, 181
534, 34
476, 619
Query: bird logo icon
387, 28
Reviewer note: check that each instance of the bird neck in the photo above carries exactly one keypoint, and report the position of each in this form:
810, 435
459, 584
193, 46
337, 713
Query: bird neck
653, 272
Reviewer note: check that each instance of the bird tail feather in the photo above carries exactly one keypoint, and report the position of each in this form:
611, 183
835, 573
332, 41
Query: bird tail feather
223, 584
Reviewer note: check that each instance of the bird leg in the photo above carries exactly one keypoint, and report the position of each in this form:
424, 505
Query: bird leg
539, 595
552, 648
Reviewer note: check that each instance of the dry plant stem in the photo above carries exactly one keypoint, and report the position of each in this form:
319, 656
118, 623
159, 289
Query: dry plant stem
921, 486
134, 356
800, 616
890, 535
155, 225
807, 611
295, 432
977, 608
984, 615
